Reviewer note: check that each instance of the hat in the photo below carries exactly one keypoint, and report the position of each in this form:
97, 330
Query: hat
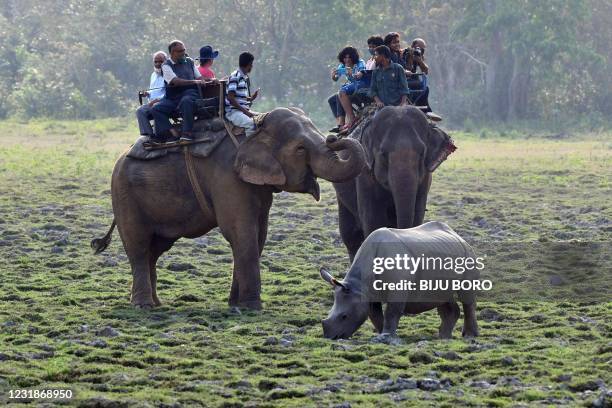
206, 52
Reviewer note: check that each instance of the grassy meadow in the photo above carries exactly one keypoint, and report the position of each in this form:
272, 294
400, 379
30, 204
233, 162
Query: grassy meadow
66, 321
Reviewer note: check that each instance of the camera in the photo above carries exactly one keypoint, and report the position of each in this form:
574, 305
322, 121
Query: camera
417, 51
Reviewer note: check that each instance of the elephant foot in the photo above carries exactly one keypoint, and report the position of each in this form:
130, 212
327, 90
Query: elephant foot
145, 304
156, 301
445, 335
246, 304
469, 333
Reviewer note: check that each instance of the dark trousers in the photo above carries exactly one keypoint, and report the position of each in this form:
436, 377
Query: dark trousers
421, 99
161, 112
335, 106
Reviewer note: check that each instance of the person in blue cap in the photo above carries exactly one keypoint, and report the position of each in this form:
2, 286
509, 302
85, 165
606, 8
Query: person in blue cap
207, 56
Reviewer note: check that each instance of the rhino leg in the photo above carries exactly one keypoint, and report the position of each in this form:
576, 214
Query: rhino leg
470, 326
376, 316
449, 314
393, 312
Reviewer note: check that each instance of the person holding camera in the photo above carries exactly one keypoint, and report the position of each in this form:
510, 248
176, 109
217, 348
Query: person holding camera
415, 61
415, 57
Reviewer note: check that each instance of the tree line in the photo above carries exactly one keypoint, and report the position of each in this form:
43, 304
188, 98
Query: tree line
490, 60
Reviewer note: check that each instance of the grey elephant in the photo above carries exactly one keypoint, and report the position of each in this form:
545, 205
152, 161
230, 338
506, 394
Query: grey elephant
362, 292
154, 203
402, 148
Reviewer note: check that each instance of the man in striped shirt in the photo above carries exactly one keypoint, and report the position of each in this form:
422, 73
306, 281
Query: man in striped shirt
239, 98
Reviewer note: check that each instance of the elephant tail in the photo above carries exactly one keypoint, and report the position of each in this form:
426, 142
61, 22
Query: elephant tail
100, 244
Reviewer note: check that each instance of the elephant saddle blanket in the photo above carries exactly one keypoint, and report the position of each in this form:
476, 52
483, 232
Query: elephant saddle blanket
366, 116
207, 135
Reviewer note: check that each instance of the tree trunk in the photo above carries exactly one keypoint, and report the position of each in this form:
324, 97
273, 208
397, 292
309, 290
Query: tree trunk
518, 89
493, 77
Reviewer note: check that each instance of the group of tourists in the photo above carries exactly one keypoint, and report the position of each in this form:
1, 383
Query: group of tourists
174, 87
389, 77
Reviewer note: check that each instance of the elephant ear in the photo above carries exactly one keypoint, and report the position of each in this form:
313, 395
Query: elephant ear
439, 146
256, 164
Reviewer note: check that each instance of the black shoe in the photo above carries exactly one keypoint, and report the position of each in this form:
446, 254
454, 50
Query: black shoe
334, 129
155, 141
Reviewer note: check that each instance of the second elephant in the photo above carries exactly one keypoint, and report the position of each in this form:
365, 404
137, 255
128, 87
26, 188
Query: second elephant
401, 147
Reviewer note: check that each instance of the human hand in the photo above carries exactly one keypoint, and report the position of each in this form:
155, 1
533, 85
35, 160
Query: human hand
255, 94
379, 104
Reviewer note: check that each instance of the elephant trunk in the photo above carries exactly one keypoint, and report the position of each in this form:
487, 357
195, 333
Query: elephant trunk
328, 164
404, 185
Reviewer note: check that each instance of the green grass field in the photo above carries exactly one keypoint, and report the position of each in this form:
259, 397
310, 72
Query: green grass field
66, 321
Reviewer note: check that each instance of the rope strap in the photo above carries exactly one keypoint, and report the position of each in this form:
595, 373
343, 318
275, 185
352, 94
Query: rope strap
193, 179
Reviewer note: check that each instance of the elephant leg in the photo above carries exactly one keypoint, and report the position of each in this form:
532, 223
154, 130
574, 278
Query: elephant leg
449, 314
373, 202
236, 295
142, 293
351, 234
242, 231
263, 224
159, 245
137, 243
470, 326
246, 276
421, 200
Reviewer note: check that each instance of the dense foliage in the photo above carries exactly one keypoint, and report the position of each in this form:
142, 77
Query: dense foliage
491, 60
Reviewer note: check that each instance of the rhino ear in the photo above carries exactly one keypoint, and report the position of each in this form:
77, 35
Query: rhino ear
327, 277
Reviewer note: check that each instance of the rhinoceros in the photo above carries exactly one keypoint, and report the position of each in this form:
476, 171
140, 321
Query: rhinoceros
355, 299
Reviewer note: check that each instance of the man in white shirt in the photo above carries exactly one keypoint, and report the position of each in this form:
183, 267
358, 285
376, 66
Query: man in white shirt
157, 90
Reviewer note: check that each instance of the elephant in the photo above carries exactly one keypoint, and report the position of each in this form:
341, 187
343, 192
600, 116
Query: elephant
402, 149
154, 203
